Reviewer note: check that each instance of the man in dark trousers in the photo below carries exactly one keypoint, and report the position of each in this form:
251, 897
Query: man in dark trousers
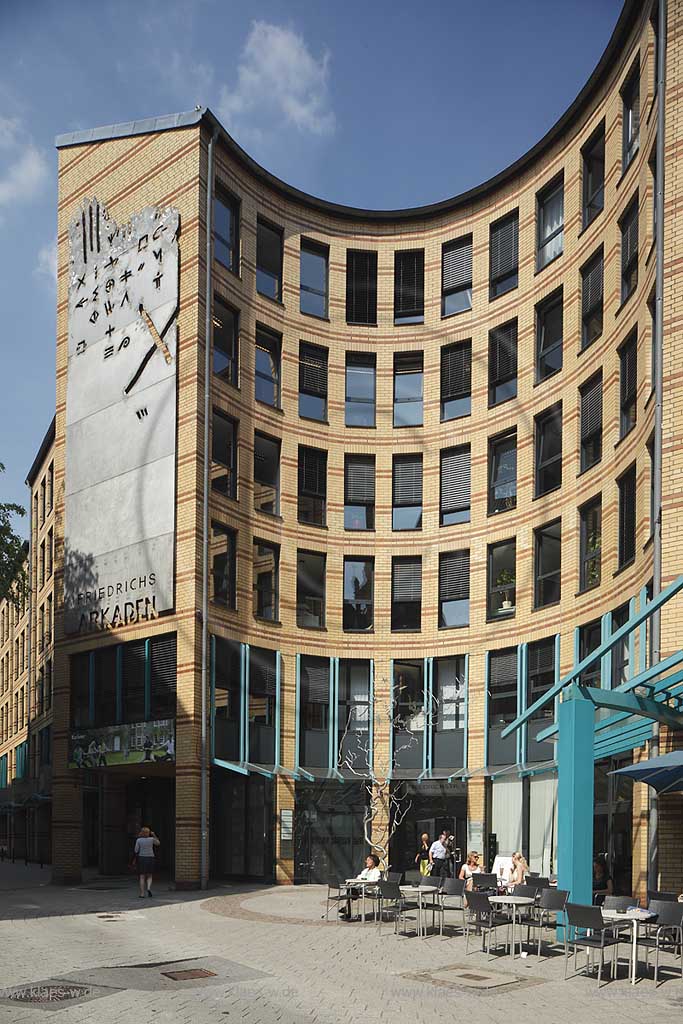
438, 856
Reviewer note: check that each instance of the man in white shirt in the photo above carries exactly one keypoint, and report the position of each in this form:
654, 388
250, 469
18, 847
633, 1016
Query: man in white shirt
370, 873
438, 856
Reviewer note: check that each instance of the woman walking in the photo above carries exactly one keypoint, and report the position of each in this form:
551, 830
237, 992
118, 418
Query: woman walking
144, 851
422, 855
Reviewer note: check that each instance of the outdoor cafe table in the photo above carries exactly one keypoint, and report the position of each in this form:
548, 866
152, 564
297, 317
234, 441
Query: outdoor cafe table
421, 891
514, 902
362, 884
634, 920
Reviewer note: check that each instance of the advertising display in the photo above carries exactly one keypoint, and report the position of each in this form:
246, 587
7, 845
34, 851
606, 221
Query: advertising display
130, 743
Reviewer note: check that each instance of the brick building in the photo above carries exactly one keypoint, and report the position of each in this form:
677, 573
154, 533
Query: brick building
428, 492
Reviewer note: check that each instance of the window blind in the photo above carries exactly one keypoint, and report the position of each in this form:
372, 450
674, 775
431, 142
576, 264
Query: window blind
313, 370
591, 407
502, 667
541, 656
407, 478
456, 264
593, 276
455, 478
406, 579
629, 236
409, 282
456, 371
454, 576
359, 479
315, 680
628, 359
312, 471
504, 247
262, 664
503, 352
361, 286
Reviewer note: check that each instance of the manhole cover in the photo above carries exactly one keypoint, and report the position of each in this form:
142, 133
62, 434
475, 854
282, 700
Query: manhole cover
48, 993
189, 975
474, 977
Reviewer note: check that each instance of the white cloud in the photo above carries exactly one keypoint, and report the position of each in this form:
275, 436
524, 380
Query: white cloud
23, 167
46, 265
278, 79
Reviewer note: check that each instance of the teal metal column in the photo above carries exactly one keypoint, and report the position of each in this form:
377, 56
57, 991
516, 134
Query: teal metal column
425, 712
466, 713
392, 715
278, 708
371, 717
522, 658
575, 797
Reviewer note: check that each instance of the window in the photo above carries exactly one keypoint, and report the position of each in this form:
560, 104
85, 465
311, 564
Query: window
548, 553
266, 474
226, 230
359, 492
621, 654
502, 704
313, 266
314, 681
266, 580
408, 384
455, 485
360, 390
456, 276
359, 578
589, 641
354, 714
456, 380
42, 563
261, 706
224, 454
502, 472
502, 574
223, 565
43, 504
409, 286
627, 516
454, 589
652, 164
228, 698
50, 486
591, 421
225, 341
592, 277
105, 686
630, 115
549, 336
310, 590
550, 221
312, 486
652, 308
408, 715
267, 367
593, 154
629, 249
651, 461
406, 593
549, 450
654, 22
628, 366
45, 746
503, 363
407, 493
590, 523
361, 286
540, 675
449, 695
269, 242
50, 550
312, 382
503, 255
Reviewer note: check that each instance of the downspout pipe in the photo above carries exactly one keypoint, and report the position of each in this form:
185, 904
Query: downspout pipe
653, 851
204, 839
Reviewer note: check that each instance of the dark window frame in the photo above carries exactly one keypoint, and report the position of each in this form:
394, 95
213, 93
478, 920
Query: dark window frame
301, 597
501, 586
230, 373
593, 199
368, 361
278, 483
544, 579
459, 275
544, 352
592, 298
590, 544
320, 250
503, 259
455, 379
543, 196
629, 230
310, 378
405, 359
232, 203
459, 489
260, 591
409, 274
630, 115
355, 301
406, 494
275, 229
230, 490
507, 438
627, 486
628, 383
350, 608
358, 497
268, 340
406, 612
591, 422
312, 485
503, 363
229, 572
453, 587
542, 465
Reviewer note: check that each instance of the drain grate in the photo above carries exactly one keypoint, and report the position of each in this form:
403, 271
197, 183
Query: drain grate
475, 977
192, 974
48, 993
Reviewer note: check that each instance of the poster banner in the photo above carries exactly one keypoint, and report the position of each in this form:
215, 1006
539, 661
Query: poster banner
130, 743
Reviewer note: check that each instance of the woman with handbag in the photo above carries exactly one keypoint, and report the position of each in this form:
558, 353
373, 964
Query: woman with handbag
422, 855
144, 851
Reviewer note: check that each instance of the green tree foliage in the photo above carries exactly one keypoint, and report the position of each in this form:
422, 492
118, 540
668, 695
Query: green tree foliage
12, 551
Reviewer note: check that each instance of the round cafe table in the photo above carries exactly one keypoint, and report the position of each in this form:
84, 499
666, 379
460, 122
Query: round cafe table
514, 902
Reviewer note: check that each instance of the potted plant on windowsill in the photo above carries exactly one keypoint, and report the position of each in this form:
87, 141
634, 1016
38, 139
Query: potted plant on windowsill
506, 581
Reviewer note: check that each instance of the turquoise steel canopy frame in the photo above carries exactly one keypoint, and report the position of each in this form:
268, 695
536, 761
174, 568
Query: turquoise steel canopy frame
653, 694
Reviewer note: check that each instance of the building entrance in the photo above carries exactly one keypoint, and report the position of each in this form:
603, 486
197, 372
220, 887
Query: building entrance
329, 841
242, 834
151, 802
612, 821
434, 805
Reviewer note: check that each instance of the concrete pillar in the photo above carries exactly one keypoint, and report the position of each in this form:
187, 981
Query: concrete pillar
575, 798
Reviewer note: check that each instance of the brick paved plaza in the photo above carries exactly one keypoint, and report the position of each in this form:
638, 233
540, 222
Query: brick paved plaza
272, 959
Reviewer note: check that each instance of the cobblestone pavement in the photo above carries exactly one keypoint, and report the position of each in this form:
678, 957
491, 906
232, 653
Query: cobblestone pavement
270, 957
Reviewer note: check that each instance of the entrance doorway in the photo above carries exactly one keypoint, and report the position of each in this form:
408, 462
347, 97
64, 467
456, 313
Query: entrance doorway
434, 806
151, 802
613, 821
329, 841
242, 835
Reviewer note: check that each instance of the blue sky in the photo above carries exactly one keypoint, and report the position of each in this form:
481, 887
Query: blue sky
340, 99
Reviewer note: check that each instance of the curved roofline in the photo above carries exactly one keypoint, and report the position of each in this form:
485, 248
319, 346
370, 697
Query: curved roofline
622, 29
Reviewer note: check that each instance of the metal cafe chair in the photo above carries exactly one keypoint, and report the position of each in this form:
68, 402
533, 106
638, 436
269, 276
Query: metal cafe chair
537, 882
662, 897
393, 902
487, 919
665, 934
452, 899
622, 904
586, 919
413, 877
480, 880
335, 896
551, 901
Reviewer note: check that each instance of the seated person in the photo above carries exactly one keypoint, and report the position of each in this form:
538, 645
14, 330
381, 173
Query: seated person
469, 868
602, 882
520, 869
370, 873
